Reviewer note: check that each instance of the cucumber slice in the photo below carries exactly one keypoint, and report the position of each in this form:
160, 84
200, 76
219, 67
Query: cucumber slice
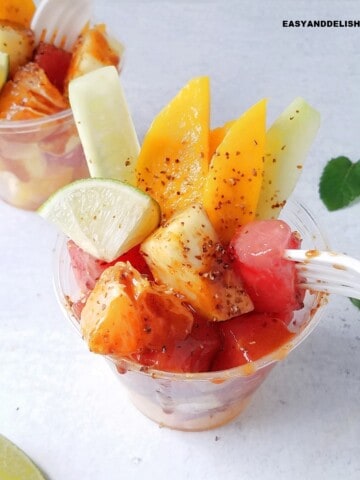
288, 142
4, 68
103, 217
104, 124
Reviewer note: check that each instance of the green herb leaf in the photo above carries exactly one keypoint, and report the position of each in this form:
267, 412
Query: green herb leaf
340, 183
356, 302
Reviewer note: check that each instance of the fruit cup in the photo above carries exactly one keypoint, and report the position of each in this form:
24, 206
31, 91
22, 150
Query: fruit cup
202, 401
37, 157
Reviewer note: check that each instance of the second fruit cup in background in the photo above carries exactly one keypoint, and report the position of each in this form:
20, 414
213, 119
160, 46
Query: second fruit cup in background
37, 157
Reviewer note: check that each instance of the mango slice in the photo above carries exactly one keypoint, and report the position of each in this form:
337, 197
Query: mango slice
217, 135
18, 11
173, 160
233, 183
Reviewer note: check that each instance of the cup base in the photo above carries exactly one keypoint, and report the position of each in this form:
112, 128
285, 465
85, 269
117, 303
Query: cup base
196, 423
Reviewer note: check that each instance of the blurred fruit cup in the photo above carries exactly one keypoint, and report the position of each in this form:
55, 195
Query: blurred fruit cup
202, 401
40, 155
37, 157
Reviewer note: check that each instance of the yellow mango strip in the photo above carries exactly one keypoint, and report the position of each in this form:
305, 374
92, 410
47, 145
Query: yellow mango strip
173, 161
217, 136
18, 11
233, 184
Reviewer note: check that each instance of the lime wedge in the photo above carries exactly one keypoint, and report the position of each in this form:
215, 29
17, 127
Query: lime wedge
104, 124
103, 217
14, 464
4, 68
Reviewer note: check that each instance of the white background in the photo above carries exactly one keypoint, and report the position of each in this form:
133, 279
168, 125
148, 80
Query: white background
62, 404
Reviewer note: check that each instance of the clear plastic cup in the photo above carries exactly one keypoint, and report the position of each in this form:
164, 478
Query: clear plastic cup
201, 401
37, 157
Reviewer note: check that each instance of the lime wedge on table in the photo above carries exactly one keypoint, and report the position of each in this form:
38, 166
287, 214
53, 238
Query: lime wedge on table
103, 217
14, 464
104, 124
4, 68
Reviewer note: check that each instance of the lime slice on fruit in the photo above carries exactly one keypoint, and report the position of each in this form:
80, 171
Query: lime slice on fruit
14, 464
103, 217
4, 68
104, 124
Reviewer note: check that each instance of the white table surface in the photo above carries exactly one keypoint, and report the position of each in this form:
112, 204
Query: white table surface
62, 404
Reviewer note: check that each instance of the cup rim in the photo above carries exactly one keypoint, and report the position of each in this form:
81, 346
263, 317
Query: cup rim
30, 124
124, 364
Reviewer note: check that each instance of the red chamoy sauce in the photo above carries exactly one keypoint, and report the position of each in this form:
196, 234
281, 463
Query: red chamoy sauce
257, 252
250, 337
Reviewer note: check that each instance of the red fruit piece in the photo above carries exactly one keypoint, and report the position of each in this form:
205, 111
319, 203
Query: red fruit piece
55, 62
249, 337
269, 279
126, 313
87, 269
77, 307
137, 261
194, 354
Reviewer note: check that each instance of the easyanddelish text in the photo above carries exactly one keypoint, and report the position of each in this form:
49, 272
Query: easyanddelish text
321, 23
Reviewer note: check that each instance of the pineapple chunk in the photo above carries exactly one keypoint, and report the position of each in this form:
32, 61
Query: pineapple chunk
17, 42
93, 49
18, 11
186, 255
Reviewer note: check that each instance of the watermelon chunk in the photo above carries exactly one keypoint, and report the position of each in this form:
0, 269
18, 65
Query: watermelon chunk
87, 269
55, 62
269, 279
249, 337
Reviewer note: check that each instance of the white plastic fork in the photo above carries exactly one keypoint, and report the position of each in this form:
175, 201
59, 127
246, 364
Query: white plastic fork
60, 22
328, 272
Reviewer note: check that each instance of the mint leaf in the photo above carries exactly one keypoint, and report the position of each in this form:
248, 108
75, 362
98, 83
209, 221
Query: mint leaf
340, 183
356, 302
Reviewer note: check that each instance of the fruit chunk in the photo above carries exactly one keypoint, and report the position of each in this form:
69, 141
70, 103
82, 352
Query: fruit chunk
104, 217
233, 183
104, 124
87, 269
4, 68
217, 135
194, 354
125, 313
287, 144
18, 11
248, 338
54, 61
173, 160
186, 255
93, 49
30, 95
18, 42
270, 280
